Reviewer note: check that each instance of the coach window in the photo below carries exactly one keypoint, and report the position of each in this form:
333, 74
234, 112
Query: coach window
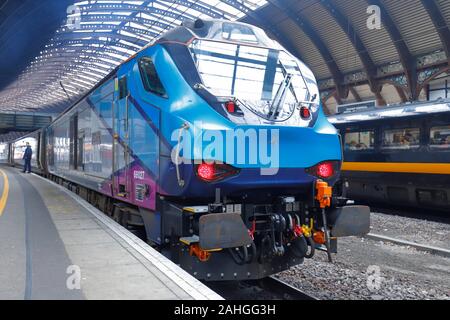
440, 138
361, 140
407, 138
150, 77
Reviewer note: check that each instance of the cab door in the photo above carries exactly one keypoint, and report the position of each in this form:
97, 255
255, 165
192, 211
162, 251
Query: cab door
121, 160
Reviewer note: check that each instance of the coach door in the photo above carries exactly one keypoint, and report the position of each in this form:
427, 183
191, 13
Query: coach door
121, 139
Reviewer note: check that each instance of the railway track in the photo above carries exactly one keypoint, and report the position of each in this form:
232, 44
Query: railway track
285, 290
269, 288
415, 213
411, 228
421, 247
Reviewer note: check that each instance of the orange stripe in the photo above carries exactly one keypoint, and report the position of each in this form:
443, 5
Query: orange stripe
430, 168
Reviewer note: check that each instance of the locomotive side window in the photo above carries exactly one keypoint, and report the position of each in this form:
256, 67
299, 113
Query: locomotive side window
440, 138
407, 138
123, 88
361, 140
150, 77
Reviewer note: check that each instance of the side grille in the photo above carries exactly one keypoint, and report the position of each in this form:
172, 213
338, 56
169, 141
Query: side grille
139, 192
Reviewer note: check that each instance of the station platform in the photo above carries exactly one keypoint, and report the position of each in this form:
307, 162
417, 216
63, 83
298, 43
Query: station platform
55, 245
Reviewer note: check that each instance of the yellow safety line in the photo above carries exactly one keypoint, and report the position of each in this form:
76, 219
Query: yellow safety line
5, 193
430, 168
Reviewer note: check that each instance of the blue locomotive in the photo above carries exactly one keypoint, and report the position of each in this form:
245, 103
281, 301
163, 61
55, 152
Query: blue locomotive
211, 141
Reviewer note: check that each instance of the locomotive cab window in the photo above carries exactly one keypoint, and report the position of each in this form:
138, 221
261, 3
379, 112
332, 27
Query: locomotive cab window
237, 32
361, 140
150, 78
440, 138
407, 138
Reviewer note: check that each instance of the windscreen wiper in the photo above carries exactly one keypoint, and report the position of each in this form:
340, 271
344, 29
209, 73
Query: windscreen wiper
278, 101
291, 87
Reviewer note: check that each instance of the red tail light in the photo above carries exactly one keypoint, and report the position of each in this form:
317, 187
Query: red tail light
212, 172
305, 113
230, 106
206, 171
325, 170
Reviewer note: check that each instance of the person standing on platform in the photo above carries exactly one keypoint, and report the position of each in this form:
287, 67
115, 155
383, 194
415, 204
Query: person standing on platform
27, 157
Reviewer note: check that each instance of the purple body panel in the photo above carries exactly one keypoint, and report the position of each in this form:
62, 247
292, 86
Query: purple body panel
139, 186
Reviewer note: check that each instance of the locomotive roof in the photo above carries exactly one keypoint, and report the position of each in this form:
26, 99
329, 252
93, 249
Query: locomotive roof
404, 110
217, 29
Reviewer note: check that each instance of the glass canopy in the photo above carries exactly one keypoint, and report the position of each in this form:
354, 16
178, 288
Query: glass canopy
96, 37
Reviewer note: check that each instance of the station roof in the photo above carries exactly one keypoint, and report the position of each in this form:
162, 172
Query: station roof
51, 53
395, 111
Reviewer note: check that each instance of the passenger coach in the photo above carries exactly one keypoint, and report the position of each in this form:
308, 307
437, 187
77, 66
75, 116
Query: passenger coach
398, 155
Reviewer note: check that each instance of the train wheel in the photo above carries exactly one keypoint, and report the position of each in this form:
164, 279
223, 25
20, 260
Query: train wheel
138, 232
117, 215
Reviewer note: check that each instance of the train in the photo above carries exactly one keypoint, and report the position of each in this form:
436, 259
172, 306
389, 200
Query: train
399, 155
212, 145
